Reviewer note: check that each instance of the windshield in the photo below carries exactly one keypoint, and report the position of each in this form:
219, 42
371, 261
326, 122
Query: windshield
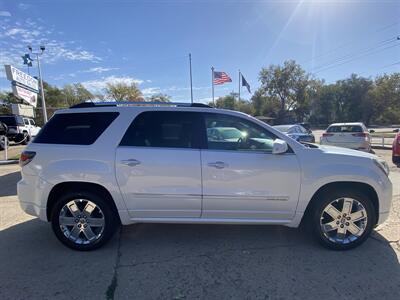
11, 120
345, 128
283, 128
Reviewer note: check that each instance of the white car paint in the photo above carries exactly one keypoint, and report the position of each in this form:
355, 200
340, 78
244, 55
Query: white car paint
352, 140
184, 186
30, 127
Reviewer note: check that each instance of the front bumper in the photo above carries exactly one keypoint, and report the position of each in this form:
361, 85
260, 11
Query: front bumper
33, 193
385, 195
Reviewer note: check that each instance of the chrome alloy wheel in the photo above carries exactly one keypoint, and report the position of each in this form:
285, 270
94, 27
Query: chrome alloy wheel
343, 220
81, 221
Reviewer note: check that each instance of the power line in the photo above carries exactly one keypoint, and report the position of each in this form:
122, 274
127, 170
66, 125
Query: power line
349, 43
355, 58
390, 65
356, 54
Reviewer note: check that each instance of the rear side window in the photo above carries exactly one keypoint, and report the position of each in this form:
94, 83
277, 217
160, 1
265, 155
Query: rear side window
75, 128
167, 129
345, 128
12, 120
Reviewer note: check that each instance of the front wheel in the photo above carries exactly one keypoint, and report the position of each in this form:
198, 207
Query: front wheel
83, 220
342, 220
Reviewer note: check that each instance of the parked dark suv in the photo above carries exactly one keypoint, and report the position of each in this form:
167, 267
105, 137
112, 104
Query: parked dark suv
3, 132
20, 129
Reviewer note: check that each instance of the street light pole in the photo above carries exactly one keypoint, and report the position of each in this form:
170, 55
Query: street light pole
191, 83
44, 111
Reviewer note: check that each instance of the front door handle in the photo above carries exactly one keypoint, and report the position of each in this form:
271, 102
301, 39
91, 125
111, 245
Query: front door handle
217, 164
130, 162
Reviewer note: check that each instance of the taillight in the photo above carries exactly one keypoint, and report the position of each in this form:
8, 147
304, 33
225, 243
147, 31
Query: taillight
360, 134
26, 157
327, 134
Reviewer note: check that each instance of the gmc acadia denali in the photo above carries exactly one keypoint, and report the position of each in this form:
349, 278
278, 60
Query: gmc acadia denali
98, 165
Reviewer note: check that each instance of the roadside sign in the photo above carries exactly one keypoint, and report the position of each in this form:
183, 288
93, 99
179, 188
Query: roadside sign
26, 95
13, 74
23, 110
24, 86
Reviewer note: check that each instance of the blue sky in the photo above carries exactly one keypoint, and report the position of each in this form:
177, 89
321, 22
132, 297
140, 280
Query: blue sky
96, 41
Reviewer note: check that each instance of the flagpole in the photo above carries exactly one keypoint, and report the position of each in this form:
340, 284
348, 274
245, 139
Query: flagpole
212, 84
239, 85
191, 83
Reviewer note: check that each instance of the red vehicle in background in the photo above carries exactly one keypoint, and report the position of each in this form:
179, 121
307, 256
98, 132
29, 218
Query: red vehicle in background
396, 149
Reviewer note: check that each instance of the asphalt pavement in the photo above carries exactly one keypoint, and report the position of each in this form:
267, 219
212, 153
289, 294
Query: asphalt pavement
159, 261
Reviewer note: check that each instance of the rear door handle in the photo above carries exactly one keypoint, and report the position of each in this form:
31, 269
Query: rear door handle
130, 162
217, 164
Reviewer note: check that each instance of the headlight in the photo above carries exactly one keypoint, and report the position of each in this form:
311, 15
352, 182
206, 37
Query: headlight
381, 164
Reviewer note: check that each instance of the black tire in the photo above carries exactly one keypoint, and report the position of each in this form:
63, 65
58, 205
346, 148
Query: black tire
111, 220
327, 198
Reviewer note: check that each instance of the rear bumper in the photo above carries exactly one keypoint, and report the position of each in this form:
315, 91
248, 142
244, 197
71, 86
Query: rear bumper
33, 194
364, 146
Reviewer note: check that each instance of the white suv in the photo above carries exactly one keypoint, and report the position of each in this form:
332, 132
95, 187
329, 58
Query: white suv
95, 166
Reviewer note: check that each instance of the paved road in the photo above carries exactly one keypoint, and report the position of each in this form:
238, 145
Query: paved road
155, 261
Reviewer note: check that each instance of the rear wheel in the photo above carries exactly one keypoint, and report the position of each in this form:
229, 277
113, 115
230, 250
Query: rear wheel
342, 220
83, 220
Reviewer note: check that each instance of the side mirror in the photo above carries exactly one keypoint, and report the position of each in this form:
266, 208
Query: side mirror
279, 147
371, 131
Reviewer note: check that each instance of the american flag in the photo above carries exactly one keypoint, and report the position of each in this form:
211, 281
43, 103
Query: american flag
221, 78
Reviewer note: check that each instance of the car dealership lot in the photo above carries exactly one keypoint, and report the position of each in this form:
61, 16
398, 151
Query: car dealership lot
193, 261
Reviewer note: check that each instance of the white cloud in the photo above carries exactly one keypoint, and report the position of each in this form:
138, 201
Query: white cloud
4, 13
98, 85
24, 6
99, 70
15, 36
151, 91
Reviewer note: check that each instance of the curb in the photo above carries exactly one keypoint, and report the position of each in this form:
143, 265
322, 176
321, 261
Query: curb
8, 162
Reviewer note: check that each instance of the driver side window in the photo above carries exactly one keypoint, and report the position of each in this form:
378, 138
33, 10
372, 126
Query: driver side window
226, 132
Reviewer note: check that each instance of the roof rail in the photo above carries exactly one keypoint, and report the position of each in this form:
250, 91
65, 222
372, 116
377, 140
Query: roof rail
125, 103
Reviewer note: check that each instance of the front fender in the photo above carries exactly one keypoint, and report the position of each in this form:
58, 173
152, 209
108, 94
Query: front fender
317, 177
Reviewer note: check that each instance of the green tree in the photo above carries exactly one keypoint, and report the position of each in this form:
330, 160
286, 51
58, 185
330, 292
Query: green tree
227, 102
7, 98
159, 98
230, 102
384, 100
289, 84
264, 105
72, 94
353, 102
123, 92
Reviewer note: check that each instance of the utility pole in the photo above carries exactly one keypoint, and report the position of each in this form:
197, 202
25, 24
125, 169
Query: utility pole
191, 83
212, 84
38, 54
240, 78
